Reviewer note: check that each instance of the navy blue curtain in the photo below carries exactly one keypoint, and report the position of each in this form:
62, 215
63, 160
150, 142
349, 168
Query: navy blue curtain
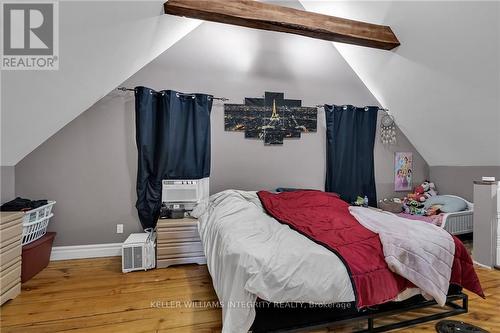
350, 139
173, 142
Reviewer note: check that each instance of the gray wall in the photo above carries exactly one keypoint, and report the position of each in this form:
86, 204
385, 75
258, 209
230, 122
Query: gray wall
89, 166
7, 183
458, 180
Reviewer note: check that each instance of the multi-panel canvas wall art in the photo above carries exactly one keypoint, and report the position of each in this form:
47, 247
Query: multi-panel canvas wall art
271, 119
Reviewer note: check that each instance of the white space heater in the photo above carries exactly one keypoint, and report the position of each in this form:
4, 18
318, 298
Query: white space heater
138, 252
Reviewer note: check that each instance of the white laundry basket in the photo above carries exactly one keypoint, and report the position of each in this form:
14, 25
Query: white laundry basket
36, 221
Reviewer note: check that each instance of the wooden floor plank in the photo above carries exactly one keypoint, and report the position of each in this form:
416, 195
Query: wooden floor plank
92, 295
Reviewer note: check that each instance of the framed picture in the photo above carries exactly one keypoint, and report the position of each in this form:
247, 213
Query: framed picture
271, 118
403, 171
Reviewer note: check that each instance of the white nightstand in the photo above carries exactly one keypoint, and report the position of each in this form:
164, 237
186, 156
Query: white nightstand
178, 242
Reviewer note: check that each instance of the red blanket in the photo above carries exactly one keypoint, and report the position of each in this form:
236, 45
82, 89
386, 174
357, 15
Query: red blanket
325, 219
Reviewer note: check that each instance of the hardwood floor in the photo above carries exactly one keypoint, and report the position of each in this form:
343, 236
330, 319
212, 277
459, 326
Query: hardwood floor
92, 295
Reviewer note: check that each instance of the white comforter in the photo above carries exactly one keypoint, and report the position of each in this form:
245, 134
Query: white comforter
250, 255
420, 252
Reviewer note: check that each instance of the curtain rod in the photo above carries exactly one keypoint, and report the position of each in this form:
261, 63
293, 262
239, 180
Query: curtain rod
380, 109
224, 99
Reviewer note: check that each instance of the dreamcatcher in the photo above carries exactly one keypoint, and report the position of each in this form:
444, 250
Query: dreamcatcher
387, 130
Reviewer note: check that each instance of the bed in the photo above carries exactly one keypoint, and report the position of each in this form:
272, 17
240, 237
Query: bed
254, 261
457, 223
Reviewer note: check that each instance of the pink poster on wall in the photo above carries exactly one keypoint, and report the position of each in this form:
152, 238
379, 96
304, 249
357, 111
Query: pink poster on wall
403, 171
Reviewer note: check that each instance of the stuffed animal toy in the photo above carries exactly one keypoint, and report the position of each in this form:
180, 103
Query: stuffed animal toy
414, 207
359, 201
429, 189
413, 202
423, 191
418, 194
433, 210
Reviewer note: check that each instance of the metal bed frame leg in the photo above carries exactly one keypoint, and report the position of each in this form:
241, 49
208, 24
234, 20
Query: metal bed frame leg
370, 324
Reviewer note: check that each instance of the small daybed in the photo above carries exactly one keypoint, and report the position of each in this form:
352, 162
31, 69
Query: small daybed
456, 223
459, 223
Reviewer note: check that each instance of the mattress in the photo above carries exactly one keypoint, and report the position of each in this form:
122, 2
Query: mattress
250, 255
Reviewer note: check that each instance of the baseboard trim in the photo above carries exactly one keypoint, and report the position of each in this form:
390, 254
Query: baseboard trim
86, 251
481, 265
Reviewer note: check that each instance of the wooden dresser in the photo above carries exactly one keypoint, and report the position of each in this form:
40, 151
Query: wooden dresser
11, 229
178, 242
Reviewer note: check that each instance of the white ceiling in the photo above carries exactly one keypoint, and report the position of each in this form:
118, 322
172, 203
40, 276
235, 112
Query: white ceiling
101, 45
442, 83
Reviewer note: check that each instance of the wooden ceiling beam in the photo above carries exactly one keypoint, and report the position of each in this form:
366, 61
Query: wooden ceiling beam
264, 16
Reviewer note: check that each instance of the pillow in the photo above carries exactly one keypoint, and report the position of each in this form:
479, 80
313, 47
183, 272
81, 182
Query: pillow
448, 204
293, 189
289, 189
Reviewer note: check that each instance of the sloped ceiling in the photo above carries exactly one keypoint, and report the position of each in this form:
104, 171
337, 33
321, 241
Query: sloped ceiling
101, 45
443, 82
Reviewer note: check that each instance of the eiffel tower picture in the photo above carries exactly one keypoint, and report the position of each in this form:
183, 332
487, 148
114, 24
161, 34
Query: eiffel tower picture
271, 119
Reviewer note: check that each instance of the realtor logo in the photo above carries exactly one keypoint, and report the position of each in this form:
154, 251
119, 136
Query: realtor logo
30, 36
